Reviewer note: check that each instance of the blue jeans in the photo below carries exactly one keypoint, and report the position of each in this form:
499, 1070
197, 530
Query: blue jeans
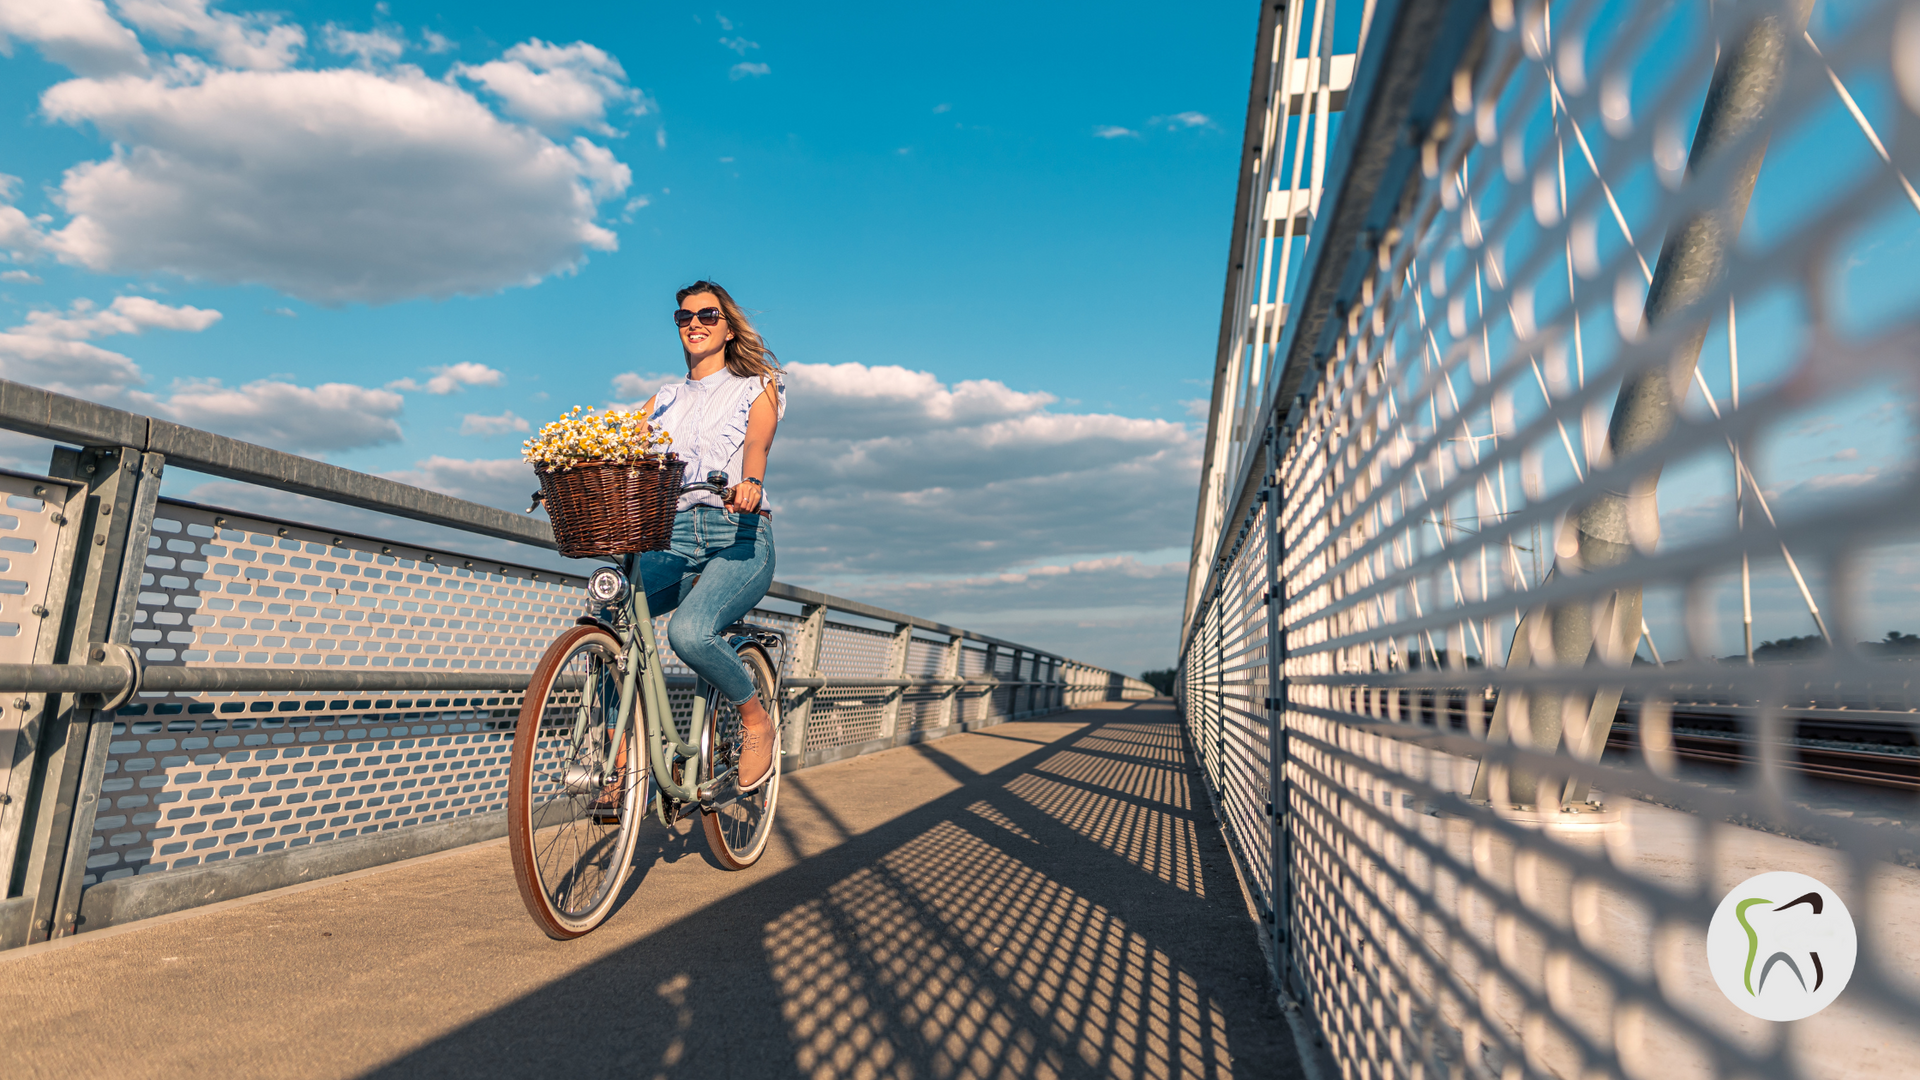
719, 566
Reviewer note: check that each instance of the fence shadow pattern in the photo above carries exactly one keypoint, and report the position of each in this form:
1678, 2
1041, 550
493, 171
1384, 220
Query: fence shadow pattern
980, 935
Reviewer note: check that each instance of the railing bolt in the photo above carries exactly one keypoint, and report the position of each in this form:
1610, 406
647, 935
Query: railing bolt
5, 798
39, 924
99, 654
19, 703
40, 610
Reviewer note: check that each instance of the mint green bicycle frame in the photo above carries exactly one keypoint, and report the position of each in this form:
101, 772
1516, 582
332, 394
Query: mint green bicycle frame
664, 747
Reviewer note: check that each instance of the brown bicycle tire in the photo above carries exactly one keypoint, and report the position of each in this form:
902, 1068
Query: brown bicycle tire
520, 827
767, 684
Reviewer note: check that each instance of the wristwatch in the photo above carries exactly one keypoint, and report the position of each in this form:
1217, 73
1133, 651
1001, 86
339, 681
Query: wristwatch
755, 481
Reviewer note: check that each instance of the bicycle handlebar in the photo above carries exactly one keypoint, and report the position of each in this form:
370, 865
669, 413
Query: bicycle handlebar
716, 482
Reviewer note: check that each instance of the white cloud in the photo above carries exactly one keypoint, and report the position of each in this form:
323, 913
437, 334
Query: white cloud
1198, 408
453, 377
331, 416
1182, 120
1114, 131
1116, 611
741, 71
20, 235
50, 349
334, 185
943, 107
557, 87
476, 424
632, 386
255, 41
126, 315
370, 47
888, 471
19, 277
77, 33
437, 43
739, 44
503, 482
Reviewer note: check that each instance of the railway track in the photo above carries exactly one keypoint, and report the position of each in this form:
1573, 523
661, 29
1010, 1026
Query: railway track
1716, 735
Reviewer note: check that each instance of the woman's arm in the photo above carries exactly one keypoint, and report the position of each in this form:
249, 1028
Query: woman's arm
762, 419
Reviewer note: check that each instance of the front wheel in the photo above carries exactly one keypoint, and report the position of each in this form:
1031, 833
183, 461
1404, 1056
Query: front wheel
574, 799
738, 825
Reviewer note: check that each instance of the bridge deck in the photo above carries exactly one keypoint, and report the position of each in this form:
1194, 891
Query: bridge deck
1044, 898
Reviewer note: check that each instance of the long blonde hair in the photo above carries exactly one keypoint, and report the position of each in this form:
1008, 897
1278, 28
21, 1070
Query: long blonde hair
746, 356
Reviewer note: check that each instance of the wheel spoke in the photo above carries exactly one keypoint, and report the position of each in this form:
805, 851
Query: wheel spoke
570, 856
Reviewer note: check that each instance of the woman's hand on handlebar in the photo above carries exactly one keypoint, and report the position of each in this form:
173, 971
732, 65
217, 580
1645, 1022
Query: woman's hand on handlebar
745, 498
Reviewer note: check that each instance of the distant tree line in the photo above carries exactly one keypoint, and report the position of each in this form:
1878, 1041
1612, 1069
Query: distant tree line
1161, 679
1812, 645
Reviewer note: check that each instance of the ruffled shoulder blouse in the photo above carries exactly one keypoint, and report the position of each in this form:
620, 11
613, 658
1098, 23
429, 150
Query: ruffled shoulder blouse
707, 420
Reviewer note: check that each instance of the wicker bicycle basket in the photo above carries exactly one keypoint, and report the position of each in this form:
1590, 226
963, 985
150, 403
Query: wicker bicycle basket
612, 508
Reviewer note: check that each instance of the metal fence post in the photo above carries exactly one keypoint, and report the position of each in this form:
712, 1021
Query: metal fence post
106, 568
1014, 711
1279, 820
806, 665
896, 669
46, 600
952, 710
993, 672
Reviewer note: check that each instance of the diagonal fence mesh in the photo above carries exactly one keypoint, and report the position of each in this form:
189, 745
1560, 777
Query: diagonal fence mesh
1577, 574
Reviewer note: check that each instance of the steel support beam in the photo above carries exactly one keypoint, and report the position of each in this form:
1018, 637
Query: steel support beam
1745, 82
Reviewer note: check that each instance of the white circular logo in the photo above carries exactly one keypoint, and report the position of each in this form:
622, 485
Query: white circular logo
1781, 946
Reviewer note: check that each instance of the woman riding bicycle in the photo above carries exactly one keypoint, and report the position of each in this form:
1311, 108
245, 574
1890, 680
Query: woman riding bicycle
721, 419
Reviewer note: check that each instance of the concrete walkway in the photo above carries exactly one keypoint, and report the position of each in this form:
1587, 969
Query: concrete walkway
1043, 899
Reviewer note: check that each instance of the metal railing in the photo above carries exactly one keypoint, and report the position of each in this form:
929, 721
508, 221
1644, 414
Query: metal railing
203, 703
1430, 567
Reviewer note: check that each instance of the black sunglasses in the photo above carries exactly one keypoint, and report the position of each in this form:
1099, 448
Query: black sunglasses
708, 316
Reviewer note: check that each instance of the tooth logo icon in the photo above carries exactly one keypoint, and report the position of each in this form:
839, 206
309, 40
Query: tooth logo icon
1781, 946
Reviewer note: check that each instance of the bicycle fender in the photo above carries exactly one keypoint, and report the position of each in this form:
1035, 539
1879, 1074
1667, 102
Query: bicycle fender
588, 620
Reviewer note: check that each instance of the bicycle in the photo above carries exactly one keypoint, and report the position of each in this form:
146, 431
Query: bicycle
580, 783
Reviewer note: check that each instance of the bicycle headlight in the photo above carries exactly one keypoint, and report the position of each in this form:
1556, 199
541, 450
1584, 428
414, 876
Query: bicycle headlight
607, 586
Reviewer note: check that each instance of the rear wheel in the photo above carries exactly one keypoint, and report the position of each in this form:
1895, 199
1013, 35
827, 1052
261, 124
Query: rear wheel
738, 825
574, 799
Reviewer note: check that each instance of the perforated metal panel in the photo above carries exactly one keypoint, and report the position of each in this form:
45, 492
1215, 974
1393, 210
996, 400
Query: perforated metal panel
31, 522
850, 715
193, 779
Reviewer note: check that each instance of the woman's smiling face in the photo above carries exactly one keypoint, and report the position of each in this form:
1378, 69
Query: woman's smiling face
699, 339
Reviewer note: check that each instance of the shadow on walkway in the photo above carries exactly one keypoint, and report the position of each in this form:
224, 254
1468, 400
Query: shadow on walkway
1046, 898
1070, 913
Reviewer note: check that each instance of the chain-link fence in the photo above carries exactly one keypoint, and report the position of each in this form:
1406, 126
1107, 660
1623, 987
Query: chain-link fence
1565, 532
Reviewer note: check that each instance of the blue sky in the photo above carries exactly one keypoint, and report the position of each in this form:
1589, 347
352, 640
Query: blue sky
417, 220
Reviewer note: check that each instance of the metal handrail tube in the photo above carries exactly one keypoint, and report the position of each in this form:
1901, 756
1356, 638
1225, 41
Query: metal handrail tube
108, 679
922, 680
